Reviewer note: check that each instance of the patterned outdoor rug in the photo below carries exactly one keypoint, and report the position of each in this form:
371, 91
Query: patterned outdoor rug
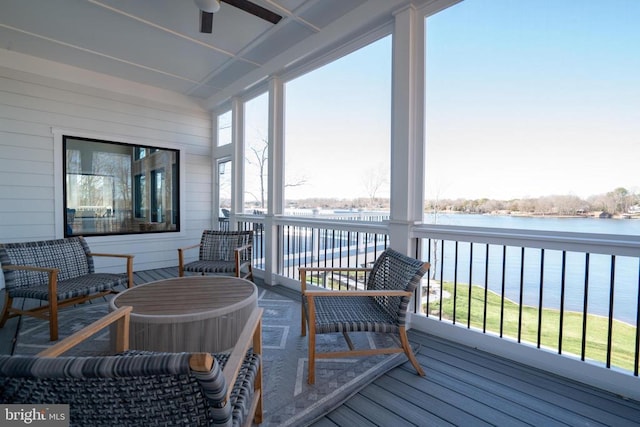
288, 399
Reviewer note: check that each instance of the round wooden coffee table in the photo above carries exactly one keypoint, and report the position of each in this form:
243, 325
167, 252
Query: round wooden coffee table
188, 314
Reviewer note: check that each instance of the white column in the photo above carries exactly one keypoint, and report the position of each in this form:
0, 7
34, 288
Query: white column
237, 160
407, 127
276, 147
215, 182
275, 181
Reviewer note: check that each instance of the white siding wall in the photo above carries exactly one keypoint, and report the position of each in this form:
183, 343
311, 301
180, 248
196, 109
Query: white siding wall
33, 106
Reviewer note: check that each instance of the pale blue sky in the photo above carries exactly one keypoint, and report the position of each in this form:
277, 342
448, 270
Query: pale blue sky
524, 98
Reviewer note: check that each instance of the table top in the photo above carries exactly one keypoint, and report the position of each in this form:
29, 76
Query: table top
188, 298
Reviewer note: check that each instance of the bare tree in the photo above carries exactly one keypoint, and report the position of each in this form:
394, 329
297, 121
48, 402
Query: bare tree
373, 181
260, 158
621, 199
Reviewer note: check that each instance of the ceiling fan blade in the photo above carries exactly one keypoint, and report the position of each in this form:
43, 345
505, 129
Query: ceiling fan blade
255, 9
206, 22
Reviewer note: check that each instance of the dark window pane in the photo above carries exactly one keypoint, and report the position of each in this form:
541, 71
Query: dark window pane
118, 188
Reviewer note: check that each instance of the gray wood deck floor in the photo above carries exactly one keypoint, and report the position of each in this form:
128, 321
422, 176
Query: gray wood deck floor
463, 387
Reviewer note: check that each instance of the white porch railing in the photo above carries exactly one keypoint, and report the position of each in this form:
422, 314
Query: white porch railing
572, 293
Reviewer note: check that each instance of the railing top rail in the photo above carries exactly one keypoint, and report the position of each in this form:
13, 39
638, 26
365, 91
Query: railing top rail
379, 227
610, 244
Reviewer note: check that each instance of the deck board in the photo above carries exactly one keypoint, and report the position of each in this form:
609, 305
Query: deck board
463, 386
433, 398
405, 401
554, 396
484, 398
345, 416
376, 413
484, 380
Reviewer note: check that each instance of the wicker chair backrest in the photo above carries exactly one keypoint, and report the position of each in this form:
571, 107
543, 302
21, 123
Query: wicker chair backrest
221, 245
395, 271
125, 390
71, 256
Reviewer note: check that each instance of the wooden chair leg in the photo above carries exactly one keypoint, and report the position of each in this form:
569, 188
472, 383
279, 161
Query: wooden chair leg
312, 357
53, 319
180, 263
303, 321
7, 306
311, 323
257, 347
409, 352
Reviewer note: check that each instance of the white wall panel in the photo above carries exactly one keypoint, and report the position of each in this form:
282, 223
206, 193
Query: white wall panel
32, 107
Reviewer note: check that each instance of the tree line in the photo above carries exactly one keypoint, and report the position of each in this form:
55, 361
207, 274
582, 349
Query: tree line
616, 202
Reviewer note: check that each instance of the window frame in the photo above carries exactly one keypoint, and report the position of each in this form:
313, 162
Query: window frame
137, 225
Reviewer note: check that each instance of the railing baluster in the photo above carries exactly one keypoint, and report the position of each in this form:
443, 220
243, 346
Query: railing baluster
441, 277
540, 298
470, 284
611, 294
426, 309
486, 288
455, 285
585, 307
562, 295
502, 289
348, 249
637, 347
521, 300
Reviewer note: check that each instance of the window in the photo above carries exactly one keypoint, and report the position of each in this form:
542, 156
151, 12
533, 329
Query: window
119, 188
337, 135
533, 109
256, 154
224, 128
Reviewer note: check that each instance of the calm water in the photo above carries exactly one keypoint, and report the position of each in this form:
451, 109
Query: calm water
627, 269
582, 225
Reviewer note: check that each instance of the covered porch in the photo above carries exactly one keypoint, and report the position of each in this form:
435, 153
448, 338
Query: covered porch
476, 373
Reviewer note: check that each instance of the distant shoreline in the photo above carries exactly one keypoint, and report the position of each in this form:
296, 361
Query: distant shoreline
596, 215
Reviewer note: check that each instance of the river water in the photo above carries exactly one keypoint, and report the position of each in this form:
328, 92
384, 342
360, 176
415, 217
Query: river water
626, 271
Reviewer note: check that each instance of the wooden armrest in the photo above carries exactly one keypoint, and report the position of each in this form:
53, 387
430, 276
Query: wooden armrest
303, 273
121, 315
238, 253
112, 255
379, 293
356, 269
188, 247
251, 335
201, 362
181, 257
129, 258
30, 268
240, 263
243, 247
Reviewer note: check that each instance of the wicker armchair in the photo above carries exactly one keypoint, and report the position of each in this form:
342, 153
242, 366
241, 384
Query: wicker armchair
221, 252
380, 307
59, 272
136, 388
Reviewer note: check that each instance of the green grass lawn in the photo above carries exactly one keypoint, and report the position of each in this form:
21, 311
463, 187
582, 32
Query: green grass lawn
623, 339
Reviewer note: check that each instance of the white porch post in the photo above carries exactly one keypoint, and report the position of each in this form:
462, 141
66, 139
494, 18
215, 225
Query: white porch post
237, 160
275, 182
407, 128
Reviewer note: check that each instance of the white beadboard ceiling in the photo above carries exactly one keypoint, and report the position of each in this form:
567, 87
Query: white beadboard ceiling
158, 43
